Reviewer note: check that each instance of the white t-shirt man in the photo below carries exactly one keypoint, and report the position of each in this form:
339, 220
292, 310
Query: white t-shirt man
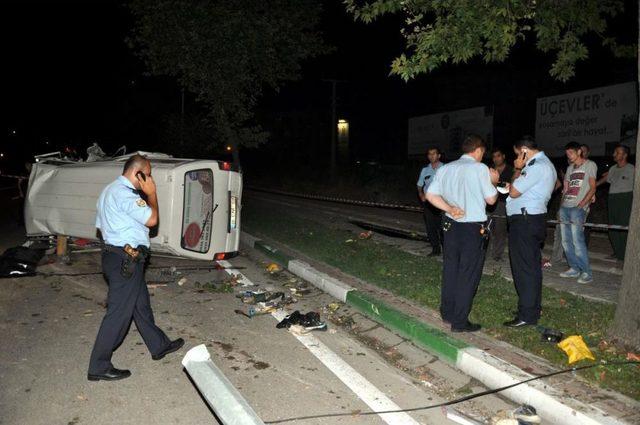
578, 182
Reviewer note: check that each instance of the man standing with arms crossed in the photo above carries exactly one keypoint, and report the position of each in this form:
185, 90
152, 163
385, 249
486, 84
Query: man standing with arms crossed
621, 178
432, 215
534, 178
124, 219
462, 189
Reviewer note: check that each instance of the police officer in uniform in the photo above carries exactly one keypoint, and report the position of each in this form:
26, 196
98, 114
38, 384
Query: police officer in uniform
432, 215
462, 189
533, 181
124, 219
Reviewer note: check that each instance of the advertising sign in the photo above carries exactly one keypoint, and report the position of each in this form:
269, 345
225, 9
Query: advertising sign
447, 130
600, 118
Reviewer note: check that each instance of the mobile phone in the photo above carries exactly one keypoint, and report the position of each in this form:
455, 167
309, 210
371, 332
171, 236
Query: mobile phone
140, 175
524, 155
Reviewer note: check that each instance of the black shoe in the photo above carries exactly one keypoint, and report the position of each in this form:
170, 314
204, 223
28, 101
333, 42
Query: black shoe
174, 345
517, 323
469, 327
112, 374
435, 253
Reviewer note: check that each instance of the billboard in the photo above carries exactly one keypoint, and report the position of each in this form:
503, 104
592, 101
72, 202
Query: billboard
447, 130
600, 117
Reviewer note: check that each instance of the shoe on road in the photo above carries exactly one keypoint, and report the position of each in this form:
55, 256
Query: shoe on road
469, 327
112, 374
570, 273
585, 278
174, 345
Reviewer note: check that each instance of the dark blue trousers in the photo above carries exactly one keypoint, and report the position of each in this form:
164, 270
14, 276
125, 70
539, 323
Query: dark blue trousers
127, 299
526, 236
463, 259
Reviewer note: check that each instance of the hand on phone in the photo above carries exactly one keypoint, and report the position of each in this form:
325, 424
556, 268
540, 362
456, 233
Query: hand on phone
521, 160
147, 185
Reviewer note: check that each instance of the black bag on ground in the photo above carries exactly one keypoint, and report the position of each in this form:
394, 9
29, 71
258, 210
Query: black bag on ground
20, 261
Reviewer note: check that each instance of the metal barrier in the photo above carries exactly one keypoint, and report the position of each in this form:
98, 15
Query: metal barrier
402, 207
225, 400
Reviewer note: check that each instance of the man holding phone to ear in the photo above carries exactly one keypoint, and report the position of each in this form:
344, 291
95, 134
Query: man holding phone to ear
534, 178
124, 219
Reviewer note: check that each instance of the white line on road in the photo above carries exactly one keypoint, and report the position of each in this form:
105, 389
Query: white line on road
365, 390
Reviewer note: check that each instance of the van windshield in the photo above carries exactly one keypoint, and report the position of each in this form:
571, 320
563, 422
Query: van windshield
197, 211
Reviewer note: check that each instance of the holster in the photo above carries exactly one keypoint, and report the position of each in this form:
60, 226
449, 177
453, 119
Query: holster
130, 257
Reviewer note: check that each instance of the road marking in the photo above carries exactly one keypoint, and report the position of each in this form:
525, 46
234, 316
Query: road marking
365, 390
228, 267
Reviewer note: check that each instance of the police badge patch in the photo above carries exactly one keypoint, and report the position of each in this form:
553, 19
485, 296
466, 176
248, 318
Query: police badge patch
140, 202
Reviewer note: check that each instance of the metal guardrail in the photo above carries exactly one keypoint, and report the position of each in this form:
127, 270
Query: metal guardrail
225, 400
403, 207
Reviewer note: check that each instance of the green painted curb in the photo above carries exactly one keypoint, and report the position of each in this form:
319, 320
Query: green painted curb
274, 253
432, 339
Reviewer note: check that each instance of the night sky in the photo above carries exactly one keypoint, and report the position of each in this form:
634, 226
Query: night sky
70, 79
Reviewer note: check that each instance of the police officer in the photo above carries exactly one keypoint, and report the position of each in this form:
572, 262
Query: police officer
124, 219
432, 215
534, 178
462, 189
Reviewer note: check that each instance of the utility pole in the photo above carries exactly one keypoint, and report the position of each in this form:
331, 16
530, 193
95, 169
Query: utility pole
334, 122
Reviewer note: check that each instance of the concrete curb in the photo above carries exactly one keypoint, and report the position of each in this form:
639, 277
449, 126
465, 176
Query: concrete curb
492, 371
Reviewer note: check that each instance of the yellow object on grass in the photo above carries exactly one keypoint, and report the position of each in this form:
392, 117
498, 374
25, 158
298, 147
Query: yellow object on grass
575, 348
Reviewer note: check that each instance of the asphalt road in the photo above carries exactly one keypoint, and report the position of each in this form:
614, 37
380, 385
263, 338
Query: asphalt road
48, 325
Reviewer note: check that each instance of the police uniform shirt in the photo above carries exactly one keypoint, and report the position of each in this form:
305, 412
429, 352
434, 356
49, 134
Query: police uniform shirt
122, 215
465, 184
426, 176
535, 183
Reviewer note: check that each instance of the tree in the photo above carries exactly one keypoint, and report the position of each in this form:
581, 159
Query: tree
437, 32
227, 53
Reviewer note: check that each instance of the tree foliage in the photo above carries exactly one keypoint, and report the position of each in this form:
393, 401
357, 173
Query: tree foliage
442, 31
227, 53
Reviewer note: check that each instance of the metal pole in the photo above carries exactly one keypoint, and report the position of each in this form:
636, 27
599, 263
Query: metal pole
229, 405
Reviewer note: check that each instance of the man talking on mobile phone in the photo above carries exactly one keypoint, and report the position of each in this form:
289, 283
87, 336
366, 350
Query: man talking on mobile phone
534, 178
124, 219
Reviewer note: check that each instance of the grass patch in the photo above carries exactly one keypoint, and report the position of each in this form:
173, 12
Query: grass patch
418, 279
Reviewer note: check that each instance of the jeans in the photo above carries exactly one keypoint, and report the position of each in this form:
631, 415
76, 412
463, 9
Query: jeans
573, 243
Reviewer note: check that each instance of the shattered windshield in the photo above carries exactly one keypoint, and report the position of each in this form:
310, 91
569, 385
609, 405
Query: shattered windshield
197, 210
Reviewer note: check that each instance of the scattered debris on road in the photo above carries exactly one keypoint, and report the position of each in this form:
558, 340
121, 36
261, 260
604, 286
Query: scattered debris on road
309, 321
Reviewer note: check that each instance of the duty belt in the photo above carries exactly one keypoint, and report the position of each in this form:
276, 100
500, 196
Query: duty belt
129, 256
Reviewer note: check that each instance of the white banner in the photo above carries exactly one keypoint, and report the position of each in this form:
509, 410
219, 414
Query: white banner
447, 130
600, 118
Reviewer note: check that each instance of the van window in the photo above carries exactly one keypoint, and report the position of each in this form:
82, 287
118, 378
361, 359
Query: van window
197, 212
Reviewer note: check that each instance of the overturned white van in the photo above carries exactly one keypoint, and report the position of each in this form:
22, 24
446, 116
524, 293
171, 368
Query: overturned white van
199, 202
